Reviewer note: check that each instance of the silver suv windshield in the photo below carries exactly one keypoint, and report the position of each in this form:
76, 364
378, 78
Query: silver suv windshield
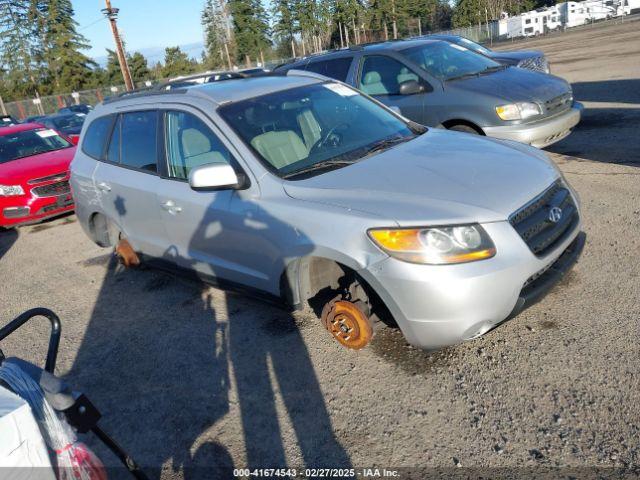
448, 61
306, 130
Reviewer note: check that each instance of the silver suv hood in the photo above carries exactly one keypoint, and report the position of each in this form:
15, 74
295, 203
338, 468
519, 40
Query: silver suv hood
440, 177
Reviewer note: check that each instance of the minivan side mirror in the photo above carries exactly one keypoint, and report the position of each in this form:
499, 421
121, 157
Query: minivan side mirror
411, 87
214, 176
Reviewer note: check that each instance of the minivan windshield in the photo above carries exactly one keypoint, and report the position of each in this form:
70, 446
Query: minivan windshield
448, 61
30, 142
305, 130
471, 45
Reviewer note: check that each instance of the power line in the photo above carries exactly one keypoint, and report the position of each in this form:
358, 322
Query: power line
91, 24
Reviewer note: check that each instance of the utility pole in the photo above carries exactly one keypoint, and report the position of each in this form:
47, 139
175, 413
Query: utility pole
112, 14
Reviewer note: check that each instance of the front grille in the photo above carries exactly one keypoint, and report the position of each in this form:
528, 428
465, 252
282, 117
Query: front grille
559, 104
50, 178
537, 64
15, 212
534, 224
61, 203
52, 190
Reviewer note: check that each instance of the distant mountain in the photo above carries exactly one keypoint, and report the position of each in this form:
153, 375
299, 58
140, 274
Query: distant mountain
156, 54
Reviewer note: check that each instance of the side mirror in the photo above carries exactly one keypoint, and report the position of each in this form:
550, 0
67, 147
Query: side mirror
411, 87
215, 176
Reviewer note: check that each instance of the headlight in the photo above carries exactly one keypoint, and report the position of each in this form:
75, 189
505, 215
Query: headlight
518, 111
10, 190
435, 245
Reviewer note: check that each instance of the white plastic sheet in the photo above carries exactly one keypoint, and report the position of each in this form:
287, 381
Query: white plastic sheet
23, 453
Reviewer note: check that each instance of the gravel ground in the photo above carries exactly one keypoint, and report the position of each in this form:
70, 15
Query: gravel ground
190, 378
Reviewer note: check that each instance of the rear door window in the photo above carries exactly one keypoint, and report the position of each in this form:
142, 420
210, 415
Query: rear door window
96, 136
139, 140
113, 153
337, 68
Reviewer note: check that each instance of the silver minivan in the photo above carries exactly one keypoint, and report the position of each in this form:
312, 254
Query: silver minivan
303, 190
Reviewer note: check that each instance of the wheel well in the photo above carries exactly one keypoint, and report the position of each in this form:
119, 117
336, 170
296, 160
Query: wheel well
313, 281
102, 230
451, 123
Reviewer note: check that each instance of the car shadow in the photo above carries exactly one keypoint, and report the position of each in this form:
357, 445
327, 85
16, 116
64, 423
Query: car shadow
7, 238
608, 130
173, 364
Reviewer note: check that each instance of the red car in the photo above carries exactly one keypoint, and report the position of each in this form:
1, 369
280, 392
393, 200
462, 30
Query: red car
34, 174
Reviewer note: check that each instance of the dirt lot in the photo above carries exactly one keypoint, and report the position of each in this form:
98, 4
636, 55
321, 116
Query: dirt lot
190, 377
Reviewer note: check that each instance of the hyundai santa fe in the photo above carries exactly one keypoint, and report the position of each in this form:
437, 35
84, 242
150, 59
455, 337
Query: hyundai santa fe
302, 190
442, 84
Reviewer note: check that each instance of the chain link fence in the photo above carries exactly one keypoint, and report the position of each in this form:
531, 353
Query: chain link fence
486, 33
49, 104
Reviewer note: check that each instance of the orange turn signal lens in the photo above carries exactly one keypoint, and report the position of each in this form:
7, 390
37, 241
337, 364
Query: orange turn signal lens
402, 240
435, 245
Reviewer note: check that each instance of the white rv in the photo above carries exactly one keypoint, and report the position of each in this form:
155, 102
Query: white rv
529, 24
573, 14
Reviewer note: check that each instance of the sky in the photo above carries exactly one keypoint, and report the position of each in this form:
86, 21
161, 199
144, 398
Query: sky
147, 26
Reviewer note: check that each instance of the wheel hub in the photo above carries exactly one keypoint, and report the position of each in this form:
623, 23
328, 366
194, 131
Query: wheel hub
347, 324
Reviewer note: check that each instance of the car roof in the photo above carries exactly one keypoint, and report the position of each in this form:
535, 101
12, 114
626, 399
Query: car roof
443, 35
394, 45
53, 116
222, 92
20, 127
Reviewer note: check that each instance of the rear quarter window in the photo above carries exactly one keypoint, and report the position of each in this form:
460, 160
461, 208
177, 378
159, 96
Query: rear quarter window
96, 136
337, 68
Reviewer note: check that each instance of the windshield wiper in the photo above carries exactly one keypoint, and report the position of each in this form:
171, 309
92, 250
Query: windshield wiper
385, 144
477, 74
325, 165
492, 69
348, 158
464, 75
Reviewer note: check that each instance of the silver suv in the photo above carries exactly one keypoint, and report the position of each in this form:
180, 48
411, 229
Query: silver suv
309, 192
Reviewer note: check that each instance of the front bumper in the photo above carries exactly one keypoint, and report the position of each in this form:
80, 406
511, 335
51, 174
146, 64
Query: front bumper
438, 305
25, 210
541, 133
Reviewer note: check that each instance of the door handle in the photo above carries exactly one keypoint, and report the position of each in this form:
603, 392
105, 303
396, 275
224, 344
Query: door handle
171, 207
105, 187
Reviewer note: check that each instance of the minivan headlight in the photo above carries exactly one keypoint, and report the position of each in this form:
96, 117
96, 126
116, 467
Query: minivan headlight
10, 190
518, 111
435, 245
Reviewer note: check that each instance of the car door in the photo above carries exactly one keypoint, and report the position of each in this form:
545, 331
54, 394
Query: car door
380, 76
209, 231
127, 180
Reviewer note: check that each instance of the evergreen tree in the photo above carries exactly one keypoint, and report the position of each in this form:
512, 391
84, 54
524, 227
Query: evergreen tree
467, 13
285, 25
217, 33
18, 47
113, 73
176, 63
251, 28
67, 66
138, 67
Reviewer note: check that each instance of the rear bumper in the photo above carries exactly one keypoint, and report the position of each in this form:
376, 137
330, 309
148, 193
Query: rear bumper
542, 133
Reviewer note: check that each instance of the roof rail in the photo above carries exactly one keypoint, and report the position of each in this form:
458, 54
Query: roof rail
141, 93
361, 46
207, 75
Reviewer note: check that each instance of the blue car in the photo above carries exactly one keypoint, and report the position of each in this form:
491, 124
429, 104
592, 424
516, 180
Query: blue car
530, 59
